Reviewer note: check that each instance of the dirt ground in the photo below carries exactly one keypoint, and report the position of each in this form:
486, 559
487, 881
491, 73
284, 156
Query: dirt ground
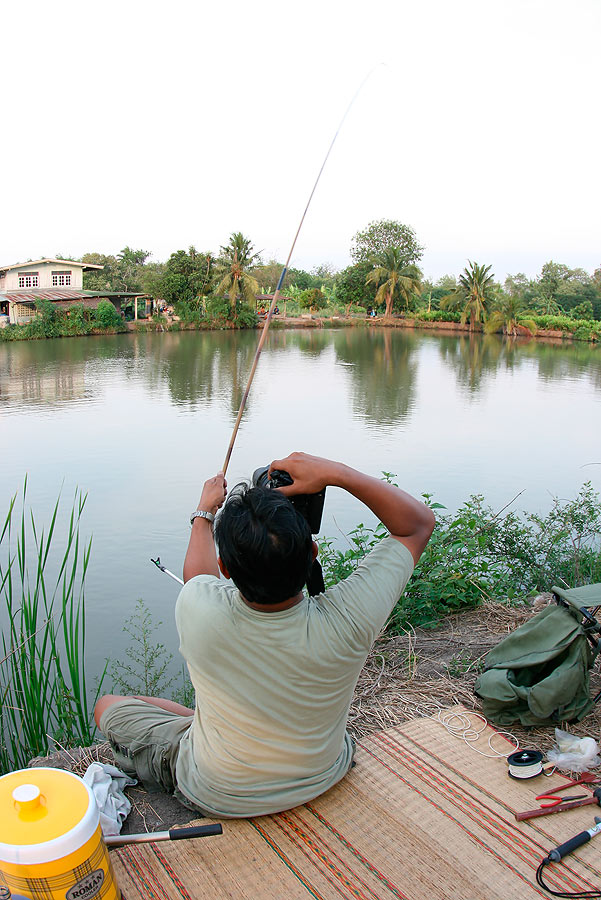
404, 677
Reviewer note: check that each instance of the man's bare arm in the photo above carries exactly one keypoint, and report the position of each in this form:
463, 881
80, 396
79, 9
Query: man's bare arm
201, 557
408, 520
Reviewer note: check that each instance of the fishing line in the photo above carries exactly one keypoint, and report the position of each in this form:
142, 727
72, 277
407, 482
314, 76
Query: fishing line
275, 299
283, 274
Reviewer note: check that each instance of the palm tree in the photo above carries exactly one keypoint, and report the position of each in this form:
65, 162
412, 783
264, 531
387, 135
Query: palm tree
232, 270
510, 315
397, 277
473, 294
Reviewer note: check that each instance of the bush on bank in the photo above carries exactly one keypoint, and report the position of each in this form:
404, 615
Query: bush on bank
476, 554
51, 322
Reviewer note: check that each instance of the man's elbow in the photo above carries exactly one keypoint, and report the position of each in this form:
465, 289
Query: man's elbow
430, 523
418, 540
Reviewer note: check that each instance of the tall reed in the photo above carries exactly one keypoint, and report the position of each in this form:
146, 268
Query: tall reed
43, 693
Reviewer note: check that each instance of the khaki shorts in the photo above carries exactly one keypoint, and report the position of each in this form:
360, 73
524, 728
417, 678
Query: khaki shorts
145, 741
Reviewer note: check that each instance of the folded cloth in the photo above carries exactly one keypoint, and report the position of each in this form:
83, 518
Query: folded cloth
107, 784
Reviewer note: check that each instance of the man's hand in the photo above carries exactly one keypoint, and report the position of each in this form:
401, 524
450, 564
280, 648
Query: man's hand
408, 520
310, 474
213, 494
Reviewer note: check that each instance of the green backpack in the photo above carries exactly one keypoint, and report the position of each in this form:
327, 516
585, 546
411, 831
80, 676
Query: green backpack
539, 674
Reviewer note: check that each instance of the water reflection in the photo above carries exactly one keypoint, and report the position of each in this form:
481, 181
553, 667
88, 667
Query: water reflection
472, 357
43, 372
557, 360
202, 368
382, 367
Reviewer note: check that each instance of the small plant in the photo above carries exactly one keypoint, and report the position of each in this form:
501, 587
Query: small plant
145, 673
185, 694
463, 663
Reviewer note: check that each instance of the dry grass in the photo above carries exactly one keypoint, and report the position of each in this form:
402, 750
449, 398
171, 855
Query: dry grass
76, 759
415, 674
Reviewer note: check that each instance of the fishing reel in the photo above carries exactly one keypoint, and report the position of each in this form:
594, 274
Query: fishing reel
310, 506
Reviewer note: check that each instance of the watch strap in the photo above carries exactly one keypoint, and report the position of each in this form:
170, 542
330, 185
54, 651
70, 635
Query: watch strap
202, 514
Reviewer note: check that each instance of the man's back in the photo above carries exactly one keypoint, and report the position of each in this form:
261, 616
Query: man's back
273, 689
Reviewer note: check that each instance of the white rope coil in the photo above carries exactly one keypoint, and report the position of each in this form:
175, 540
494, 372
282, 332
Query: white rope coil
460, 725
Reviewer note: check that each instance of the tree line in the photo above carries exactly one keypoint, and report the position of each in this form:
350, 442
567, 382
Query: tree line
384, 277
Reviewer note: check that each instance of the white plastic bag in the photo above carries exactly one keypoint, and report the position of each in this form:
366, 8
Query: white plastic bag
574, 754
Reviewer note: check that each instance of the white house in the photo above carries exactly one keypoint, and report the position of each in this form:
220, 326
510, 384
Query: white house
45, 274
57, 280
22, 284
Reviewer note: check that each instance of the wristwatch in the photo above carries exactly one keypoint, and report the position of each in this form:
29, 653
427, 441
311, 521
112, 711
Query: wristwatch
202, 514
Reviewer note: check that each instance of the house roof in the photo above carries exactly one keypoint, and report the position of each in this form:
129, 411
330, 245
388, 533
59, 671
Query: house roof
28, 296
59, 262
86, 302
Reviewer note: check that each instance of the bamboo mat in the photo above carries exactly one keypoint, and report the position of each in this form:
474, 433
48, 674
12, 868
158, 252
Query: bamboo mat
421, 816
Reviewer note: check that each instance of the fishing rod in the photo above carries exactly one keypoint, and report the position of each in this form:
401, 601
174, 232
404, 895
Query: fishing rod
276, 297
164, 569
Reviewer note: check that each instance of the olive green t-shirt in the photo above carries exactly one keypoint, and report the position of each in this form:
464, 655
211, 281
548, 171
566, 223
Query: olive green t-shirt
273, 689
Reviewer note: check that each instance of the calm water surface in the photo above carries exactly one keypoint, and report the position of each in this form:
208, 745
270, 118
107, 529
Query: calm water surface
139, 421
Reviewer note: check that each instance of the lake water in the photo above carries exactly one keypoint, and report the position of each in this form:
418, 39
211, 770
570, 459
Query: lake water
139, 422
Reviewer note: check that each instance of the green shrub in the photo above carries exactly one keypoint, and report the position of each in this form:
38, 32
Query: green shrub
437, 315
143, 670
312, 298
46, 323
77, 321
107, 317
476, 554
355, 309
555, 323
219, 312
190, 312
583, 333
583, 310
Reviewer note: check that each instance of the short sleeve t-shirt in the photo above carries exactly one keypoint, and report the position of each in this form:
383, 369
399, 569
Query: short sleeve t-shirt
273, 690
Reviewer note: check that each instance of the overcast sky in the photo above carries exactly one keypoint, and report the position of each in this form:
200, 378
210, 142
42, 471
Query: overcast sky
159, 125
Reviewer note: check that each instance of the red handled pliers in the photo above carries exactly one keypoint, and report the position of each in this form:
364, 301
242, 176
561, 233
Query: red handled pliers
554, 800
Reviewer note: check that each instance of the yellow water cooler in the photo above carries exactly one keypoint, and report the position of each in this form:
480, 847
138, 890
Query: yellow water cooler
51, 844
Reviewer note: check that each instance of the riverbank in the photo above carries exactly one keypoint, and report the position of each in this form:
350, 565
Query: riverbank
548, 327
396, 322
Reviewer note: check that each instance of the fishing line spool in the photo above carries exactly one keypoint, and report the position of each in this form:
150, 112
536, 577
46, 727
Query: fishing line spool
525, 764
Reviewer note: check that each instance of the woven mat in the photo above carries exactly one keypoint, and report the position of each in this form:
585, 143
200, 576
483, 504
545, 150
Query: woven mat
421, 816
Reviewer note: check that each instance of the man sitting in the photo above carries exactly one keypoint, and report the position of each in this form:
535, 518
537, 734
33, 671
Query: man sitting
274, 671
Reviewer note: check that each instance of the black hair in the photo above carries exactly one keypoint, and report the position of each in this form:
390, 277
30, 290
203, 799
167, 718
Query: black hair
265, 544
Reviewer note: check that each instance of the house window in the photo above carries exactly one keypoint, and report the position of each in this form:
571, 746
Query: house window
23, 312
61, 279
29, 280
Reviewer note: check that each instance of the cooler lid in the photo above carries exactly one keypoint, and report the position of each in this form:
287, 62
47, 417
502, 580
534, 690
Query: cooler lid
42, 805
